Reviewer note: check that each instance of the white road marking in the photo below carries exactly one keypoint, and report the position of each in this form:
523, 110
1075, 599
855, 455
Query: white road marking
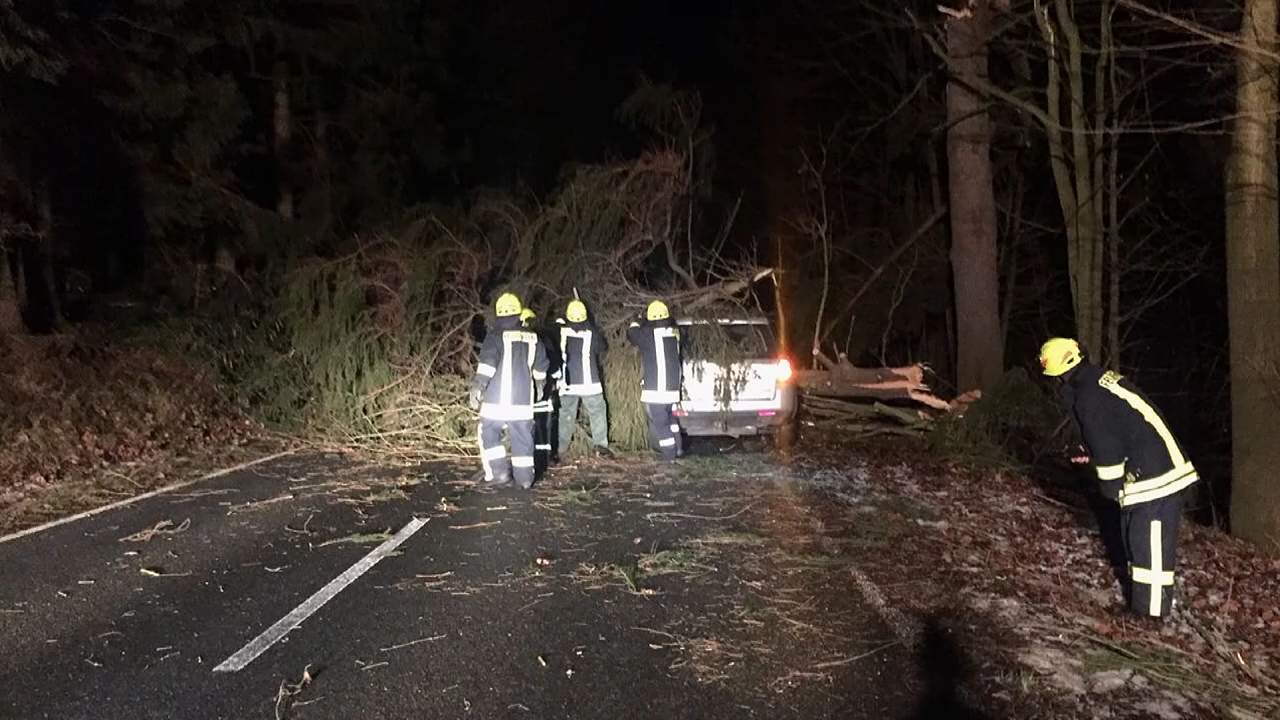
286, 624
143, 496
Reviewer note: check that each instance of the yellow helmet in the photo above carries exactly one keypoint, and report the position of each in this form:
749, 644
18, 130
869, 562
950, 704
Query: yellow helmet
526, 315
508, 304
576, 312
1059, 355
657, 310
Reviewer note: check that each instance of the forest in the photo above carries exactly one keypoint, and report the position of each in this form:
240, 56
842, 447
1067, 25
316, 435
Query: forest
291, 213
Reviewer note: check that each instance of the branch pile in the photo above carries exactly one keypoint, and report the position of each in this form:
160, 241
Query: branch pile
830, 394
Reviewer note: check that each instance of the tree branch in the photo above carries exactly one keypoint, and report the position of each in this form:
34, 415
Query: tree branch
915, 236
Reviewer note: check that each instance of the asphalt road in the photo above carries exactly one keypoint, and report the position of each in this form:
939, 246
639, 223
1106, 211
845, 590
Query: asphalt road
502, 605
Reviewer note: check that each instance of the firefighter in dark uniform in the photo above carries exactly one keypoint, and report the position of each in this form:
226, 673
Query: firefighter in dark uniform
581, 344
543, 406
1139, 465
658, 339
512, 362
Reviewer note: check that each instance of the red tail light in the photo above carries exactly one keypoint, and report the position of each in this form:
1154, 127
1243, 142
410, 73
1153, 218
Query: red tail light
784, 370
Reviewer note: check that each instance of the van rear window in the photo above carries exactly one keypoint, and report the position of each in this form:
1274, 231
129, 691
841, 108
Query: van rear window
716, 342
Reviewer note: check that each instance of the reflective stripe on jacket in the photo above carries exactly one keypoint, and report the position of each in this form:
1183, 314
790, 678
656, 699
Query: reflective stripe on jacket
580, 347
511, 360
659, 344
1128, 439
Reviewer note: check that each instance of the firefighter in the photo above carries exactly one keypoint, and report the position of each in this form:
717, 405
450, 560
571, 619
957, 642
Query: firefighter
511, 362
658, 340
1138, 463
543, 405
581, 344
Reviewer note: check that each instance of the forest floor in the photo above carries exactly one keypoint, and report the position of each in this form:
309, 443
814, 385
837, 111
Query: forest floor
87, 419
1019, 569
1015, 575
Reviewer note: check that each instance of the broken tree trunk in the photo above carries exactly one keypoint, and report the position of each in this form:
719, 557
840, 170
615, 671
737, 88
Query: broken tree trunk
843, 379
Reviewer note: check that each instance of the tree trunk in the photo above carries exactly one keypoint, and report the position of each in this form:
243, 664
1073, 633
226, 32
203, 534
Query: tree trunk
10, 297
1077, 166
282, 122
48, 256
974, 259
1253, 295
782, 199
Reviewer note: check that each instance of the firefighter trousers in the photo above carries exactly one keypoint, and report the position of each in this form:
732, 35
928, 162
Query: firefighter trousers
1151, 542
493, 455
664, 431
597, 414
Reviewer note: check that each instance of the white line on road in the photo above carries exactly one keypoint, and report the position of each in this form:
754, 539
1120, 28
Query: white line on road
284, 625
143, 496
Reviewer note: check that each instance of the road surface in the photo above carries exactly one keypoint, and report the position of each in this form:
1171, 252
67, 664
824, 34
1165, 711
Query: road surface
618, 589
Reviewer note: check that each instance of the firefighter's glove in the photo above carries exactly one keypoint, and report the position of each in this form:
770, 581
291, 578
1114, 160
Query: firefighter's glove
474, 400
1110, 489
1077, 454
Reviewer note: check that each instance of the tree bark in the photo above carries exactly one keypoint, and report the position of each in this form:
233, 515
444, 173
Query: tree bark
48, 256
779, 93
1253, 295
10, 297
282, 124
1076, 161
841, 378
974, 258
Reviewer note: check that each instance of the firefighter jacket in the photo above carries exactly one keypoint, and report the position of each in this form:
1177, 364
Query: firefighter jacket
511, 361
659, 344
581, 344
1130, 446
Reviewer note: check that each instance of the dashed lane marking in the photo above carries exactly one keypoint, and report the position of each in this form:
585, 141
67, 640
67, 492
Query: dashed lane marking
286, 624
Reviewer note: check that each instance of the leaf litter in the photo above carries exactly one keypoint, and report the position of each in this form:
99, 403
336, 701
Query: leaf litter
1052, 596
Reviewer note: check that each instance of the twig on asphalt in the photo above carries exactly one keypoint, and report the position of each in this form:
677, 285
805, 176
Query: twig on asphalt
855, 658
303, 530
164, 527
475, 525
289, 690
413, 642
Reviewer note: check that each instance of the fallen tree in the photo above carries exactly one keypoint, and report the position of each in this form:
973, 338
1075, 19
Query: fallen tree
381, 340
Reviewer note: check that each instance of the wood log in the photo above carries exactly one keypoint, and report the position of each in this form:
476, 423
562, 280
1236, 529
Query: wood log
843, 379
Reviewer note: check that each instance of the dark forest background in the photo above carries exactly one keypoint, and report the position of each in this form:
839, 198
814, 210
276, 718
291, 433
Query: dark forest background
189, 171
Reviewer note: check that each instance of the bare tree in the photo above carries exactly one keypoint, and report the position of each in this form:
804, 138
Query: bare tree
1089, 99
974, 259
1253, 266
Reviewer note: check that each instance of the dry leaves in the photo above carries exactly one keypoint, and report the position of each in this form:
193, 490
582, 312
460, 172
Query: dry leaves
1028, 565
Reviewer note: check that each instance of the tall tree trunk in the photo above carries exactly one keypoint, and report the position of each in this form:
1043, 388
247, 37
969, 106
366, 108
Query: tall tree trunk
782, 199
974, 258
282, 123
1253, 295
10, 297
1076, 159
48, 256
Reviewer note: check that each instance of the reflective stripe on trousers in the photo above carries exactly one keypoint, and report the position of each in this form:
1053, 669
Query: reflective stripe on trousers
494, 455
1151, 540
664, 431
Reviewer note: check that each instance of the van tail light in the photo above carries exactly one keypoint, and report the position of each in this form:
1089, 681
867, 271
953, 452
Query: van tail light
784, 370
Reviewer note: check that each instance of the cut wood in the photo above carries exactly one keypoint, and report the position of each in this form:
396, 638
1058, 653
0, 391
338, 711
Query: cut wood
840, 378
